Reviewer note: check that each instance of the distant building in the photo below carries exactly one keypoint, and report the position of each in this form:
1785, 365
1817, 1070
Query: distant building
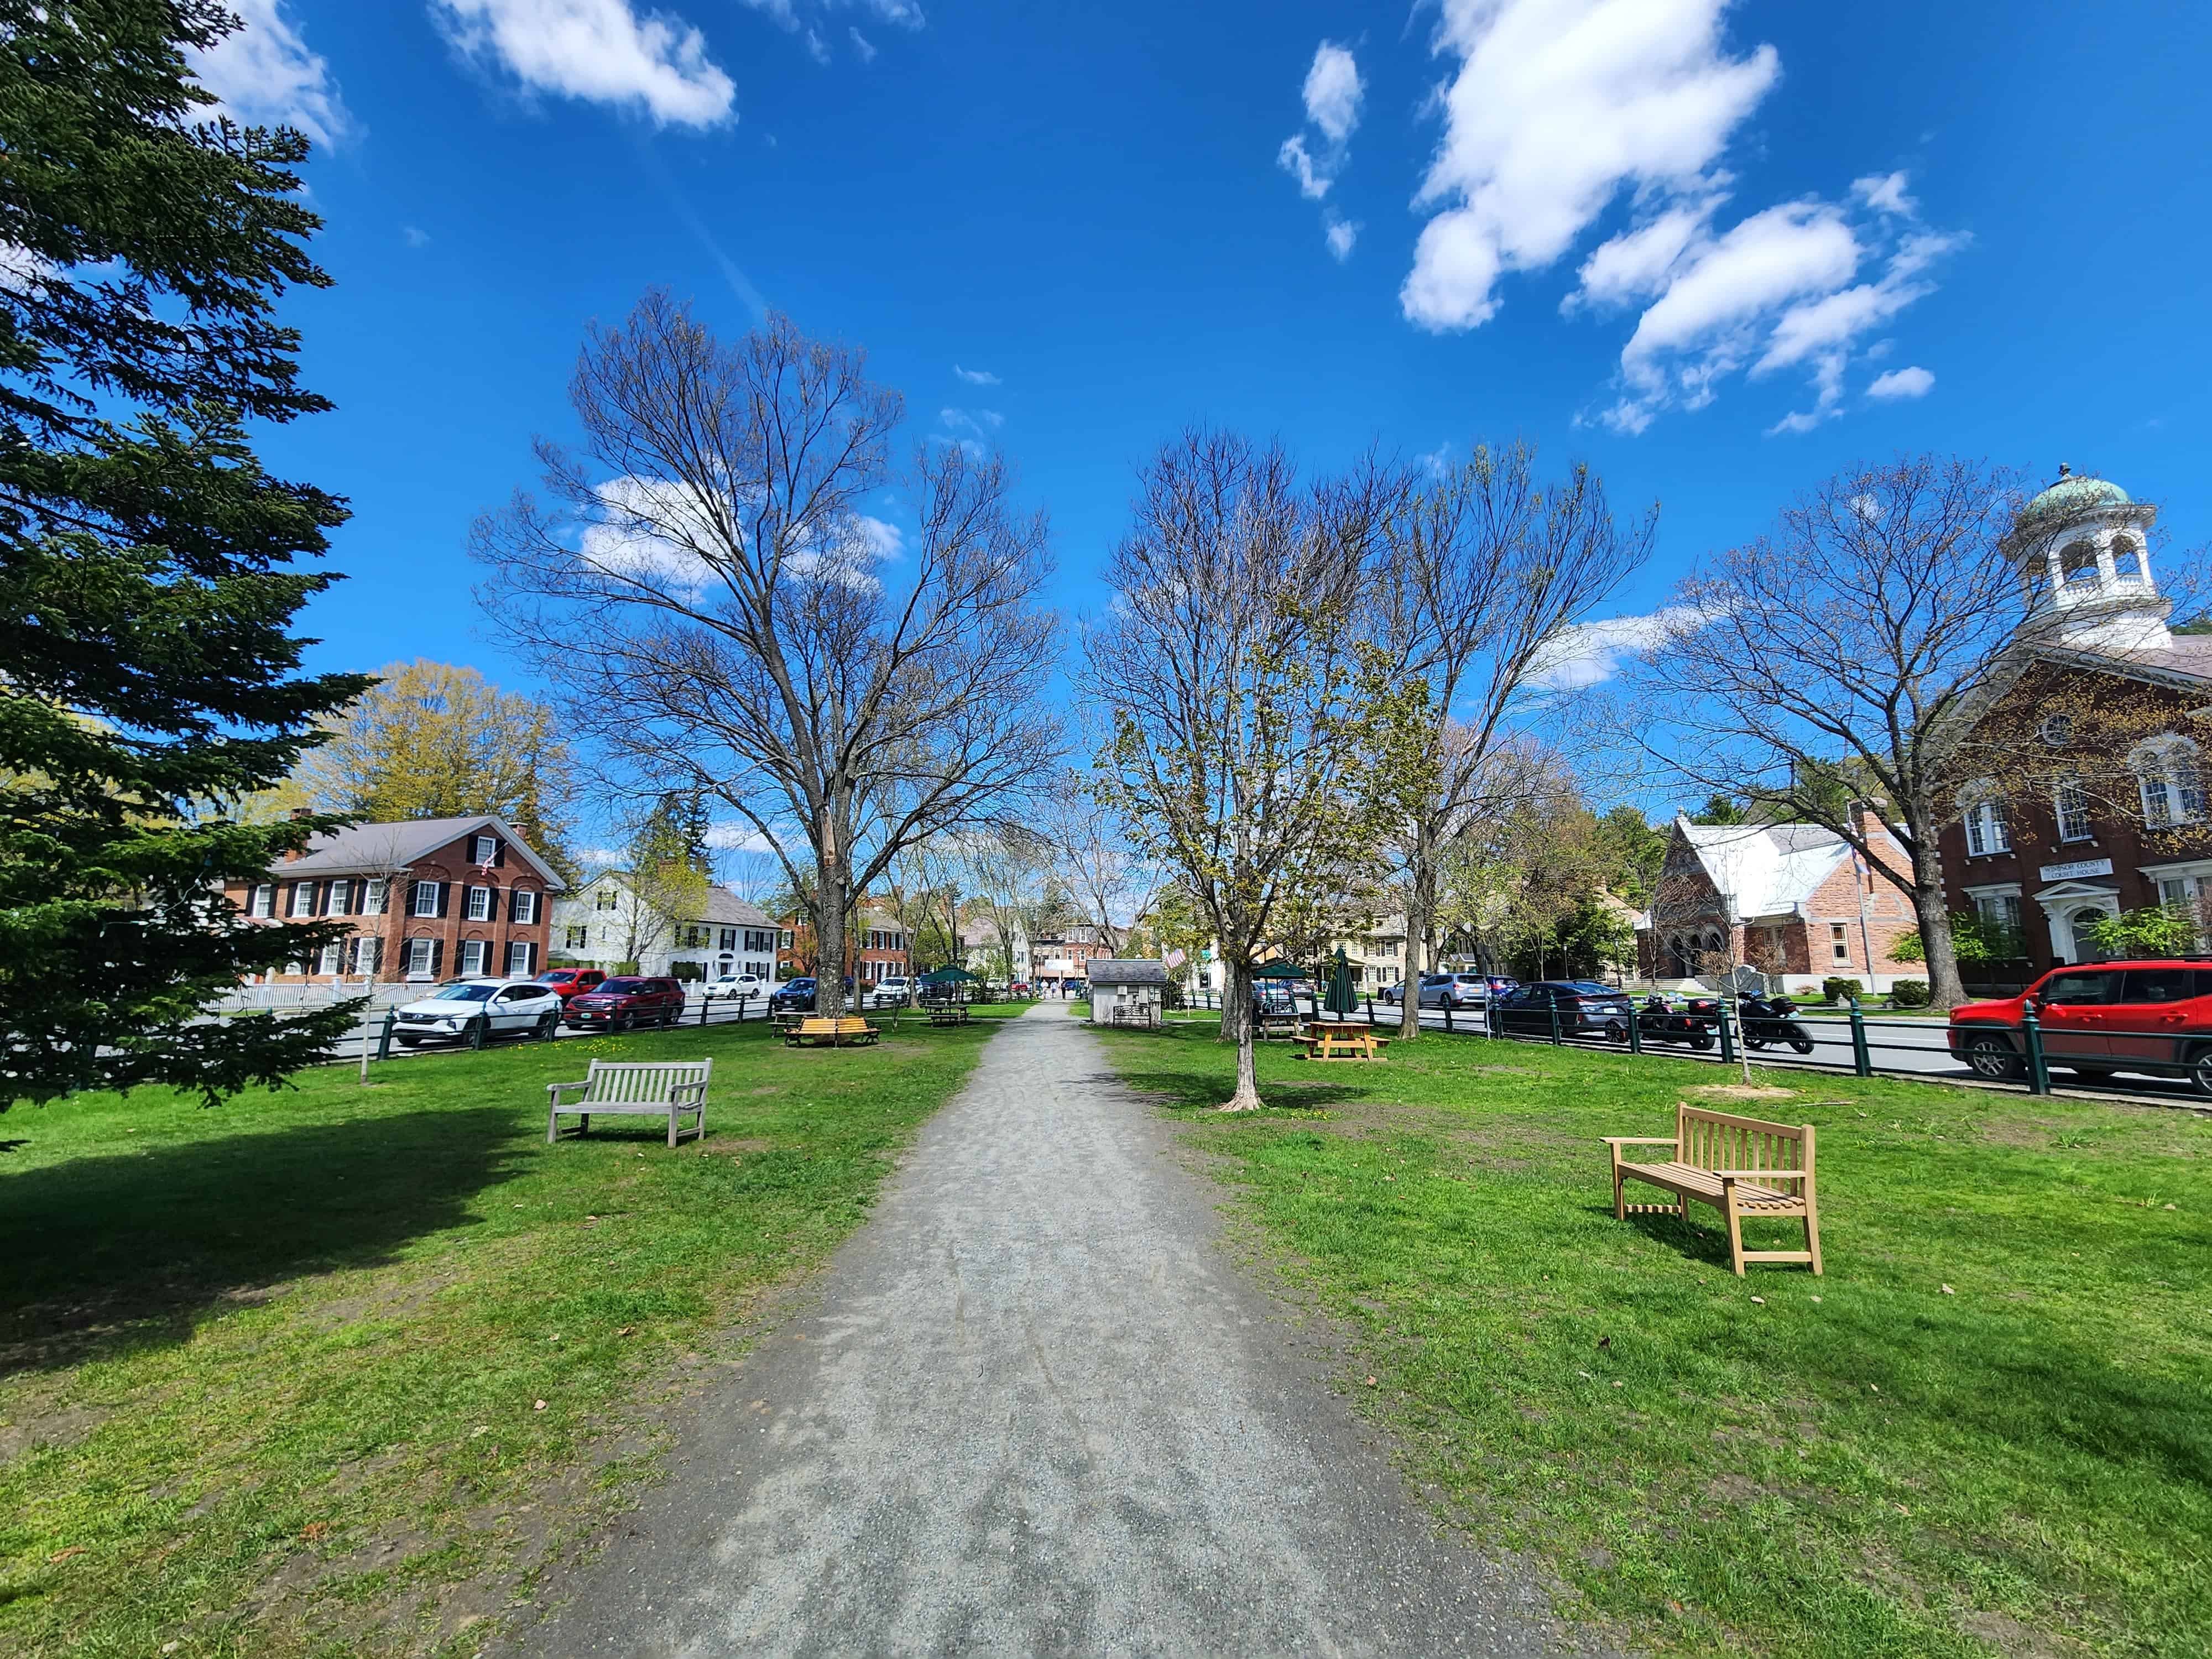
1062, 956
429, 899
876, 948
606, 923
1126, 992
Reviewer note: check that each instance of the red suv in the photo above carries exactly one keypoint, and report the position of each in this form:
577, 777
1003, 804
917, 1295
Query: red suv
2098, 1018
619, 1003
565, 982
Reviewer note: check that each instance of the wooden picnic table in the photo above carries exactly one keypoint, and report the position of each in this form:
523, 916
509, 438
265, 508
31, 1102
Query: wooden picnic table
1342, 1039
949, 1013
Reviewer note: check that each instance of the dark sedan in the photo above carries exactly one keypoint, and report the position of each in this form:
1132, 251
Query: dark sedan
1585, 1008
796, 995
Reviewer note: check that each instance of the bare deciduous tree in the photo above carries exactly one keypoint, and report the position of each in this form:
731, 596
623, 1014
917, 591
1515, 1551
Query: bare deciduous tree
1491, 570
1855, 642
706, 587
1231, 657
1099, 865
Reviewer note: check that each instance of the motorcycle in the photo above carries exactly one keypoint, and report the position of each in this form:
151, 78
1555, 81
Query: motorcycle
1766, 1020
1658, 1021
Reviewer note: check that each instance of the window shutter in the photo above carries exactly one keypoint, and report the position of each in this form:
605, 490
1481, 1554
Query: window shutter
499, 855
437, 955
444, 889
491, 904
413, 887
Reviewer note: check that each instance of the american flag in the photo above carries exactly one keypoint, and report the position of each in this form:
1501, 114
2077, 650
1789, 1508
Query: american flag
1174, 959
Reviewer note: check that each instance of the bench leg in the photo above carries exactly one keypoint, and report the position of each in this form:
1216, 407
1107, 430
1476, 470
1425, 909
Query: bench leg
672, 1128
1813, 1235
1735, 1235
1619, 1205
552, 1124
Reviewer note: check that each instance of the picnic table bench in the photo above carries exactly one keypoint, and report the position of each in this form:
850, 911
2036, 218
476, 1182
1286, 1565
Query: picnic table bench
1334, 1039
633, 1088
949, 1014
1743, 1167
818, 1029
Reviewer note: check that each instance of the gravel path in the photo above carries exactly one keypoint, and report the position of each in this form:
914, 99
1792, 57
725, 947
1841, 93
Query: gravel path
1032, 1408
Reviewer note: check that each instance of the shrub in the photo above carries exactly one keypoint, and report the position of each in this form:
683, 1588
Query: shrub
687, 970
2153, 931
1909, 993
1840, 990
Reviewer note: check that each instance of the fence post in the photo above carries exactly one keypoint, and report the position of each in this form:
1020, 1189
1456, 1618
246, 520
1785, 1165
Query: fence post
1553, 1003
384, 1037
1635, 1030
477, 1031
1728, 1036
1371, 1007
2039, 1072
1447, 1005
1862, 1060
744, 997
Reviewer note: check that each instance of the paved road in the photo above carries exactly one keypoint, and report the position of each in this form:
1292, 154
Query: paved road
1033, 1408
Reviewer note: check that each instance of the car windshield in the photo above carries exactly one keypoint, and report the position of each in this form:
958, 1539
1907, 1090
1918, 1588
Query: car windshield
619, 986
1590, 988
464, 993
561, 976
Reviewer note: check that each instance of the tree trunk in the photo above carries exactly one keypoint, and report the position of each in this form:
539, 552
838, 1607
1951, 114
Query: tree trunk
1945, 988
1237, 1022
1420, 901
830, 939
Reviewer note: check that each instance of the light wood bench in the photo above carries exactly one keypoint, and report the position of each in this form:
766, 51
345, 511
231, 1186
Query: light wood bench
1743, 1167
1341, 1040
631, 1088
847, 1029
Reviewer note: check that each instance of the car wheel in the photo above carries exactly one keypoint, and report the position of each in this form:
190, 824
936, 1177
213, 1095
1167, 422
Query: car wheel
408, 1042
619, 1024
2091, 1073
1990, 1054
2200, 1071
1703, 1040
549, 1026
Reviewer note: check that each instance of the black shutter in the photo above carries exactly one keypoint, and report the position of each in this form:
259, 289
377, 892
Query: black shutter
444, 889
437, 955
499, 854
491, 904
411, 887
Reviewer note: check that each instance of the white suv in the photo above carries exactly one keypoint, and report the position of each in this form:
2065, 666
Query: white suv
892, 993
504, 1007
737, 984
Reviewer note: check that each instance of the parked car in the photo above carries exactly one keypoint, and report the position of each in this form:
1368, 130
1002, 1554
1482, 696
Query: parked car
565, 982
619, 1003
799, 994
1454, 990
1020, 987
2151, 1017
735, 985
501, 1008
1586, 1008
892, 993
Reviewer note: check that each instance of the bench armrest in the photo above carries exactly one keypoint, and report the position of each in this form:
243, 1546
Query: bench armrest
1640, 1140
553, 1090
681, 1091
1760, 1175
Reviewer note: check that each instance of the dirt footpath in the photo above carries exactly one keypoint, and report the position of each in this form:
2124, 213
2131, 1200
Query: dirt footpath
1032, 1408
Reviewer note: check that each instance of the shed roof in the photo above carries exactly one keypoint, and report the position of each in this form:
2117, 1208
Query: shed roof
1105, 971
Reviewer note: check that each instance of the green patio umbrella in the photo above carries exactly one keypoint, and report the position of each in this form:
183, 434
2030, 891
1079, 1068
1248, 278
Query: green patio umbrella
1341, 1000
1278, 969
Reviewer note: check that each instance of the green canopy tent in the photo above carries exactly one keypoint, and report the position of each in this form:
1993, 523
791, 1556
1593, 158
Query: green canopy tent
937, 978
1289, 971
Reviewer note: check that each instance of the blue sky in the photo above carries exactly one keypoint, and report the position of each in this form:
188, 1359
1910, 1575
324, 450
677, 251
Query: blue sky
1683, 239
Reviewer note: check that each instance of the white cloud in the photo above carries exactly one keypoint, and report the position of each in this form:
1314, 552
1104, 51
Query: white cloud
598, 51
415, 236
884, 539
1885, 193
817, 47
265, 75
975, 376
1634, 265
1913, 382
1556, 106
861, 43
1332, 94
981, 423
1592, 653
794, 16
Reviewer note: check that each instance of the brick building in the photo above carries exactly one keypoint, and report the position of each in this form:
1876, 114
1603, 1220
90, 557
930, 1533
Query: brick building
2042, 872
429, 898
1791, 900
876, 949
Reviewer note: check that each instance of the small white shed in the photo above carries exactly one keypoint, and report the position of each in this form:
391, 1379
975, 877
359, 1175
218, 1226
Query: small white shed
1127, 992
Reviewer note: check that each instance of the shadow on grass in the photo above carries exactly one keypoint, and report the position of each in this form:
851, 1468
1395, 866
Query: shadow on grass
1189, 1091
107, 1253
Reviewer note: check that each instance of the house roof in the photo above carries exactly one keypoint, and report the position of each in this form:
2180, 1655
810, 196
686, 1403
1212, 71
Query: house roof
726, 909
1766, 869
378, 849
1106, 971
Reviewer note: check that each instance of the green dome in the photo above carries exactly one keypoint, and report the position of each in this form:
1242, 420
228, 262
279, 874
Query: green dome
2075, 494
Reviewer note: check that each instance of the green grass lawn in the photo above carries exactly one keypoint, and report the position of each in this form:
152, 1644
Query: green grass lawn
333, 1370
1987, 1428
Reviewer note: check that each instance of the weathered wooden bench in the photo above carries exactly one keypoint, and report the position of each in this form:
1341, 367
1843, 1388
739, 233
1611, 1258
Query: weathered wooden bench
949, 1014
846, 1030
1746, 1169
631, 1088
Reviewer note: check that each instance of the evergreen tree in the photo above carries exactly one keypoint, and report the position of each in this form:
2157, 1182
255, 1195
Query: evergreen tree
148, 565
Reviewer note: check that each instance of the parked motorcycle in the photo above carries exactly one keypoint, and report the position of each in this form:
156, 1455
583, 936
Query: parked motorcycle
1659, 1021
1766, 1020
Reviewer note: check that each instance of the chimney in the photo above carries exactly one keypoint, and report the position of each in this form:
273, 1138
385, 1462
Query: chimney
297, 813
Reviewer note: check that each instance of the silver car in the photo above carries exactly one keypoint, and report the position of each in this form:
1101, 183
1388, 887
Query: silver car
498, 1007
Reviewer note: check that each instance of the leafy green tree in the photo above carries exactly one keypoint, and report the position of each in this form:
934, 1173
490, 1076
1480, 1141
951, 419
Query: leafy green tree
149, 569
1720, 809
2153, 931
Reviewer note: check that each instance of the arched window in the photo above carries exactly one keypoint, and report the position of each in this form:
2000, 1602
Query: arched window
2078, 565
2127, 560
1987, 829
2057, 730
2170, 779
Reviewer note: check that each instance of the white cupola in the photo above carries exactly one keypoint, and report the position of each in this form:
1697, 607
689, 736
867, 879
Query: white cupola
2083, 549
